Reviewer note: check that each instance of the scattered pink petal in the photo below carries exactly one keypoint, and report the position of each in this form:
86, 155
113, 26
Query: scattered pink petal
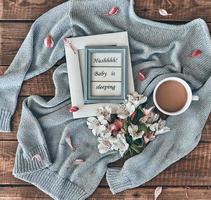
78, 162
146, 140
163, 12
69, 142
157, 192
141, 75
37, 157
196, 53
70, 45
48, 41
113, 11
149, 137
73, 109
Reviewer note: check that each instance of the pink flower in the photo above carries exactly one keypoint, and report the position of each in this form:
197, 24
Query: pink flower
149, 137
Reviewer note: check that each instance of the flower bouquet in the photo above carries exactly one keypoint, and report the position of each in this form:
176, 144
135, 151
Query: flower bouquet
127, 127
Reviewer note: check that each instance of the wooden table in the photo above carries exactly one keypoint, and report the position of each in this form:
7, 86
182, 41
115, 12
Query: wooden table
189, 178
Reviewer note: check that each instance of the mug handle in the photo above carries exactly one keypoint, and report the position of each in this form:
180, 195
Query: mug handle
195, 98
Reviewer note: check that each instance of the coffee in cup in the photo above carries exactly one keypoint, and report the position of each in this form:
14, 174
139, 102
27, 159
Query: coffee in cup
173, 96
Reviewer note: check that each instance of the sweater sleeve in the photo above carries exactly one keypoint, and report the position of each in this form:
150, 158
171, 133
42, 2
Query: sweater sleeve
166, 149
34, 57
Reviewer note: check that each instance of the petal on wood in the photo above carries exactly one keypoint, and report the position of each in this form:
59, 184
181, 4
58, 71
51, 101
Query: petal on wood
157, 192
163, 12
48, 42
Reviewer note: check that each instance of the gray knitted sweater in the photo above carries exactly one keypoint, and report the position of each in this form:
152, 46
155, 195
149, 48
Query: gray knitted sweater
43, 156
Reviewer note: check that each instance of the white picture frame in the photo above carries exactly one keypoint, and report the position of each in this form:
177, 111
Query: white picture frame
74, 50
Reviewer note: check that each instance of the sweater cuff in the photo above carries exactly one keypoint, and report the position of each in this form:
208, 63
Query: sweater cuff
36, 159
117, 181
5, 118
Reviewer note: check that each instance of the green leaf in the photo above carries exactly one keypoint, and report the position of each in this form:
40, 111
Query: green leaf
138, 149
126, 124
143, 127
137, 117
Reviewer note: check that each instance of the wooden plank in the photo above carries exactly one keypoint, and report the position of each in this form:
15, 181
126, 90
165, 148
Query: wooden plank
40, 85
32, 193
185, 10
193, 170
25, 10
11, 38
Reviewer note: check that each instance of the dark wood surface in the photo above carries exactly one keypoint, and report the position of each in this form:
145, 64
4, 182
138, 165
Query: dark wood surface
190, 178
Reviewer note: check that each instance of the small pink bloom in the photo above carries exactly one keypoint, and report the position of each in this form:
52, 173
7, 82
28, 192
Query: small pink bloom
144, 119
116, 126
73, 109
113, 11
149, 137
148, 111
196, 53
48, 41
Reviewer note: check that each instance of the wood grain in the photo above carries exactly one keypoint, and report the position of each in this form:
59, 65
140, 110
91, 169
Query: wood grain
193, 170
182, 11
25, 9
168, 193
185, 10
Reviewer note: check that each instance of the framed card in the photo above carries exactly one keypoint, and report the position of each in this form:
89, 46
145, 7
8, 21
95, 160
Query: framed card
106, 74
76, 68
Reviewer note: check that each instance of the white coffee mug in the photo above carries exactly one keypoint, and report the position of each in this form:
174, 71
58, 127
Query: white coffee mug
190, 96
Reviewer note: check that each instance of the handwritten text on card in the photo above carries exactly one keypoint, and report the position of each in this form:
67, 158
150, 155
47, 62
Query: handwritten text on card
107, 59
106, 74
106, 88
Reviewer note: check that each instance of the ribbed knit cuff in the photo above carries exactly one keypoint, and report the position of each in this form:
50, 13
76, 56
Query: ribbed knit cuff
117, 181
54, 185
28, 163
5, 118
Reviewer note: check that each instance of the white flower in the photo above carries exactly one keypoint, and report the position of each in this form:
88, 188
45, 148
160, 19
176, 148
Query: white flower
133, 131
102, 120
159, 127
92, 122
96, 127
137, 99
104, 113
125, 110
104, 145
119, 143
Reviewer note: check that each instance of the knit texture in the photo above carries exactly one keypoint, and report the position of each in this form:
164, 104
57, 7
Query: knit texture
43, 156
